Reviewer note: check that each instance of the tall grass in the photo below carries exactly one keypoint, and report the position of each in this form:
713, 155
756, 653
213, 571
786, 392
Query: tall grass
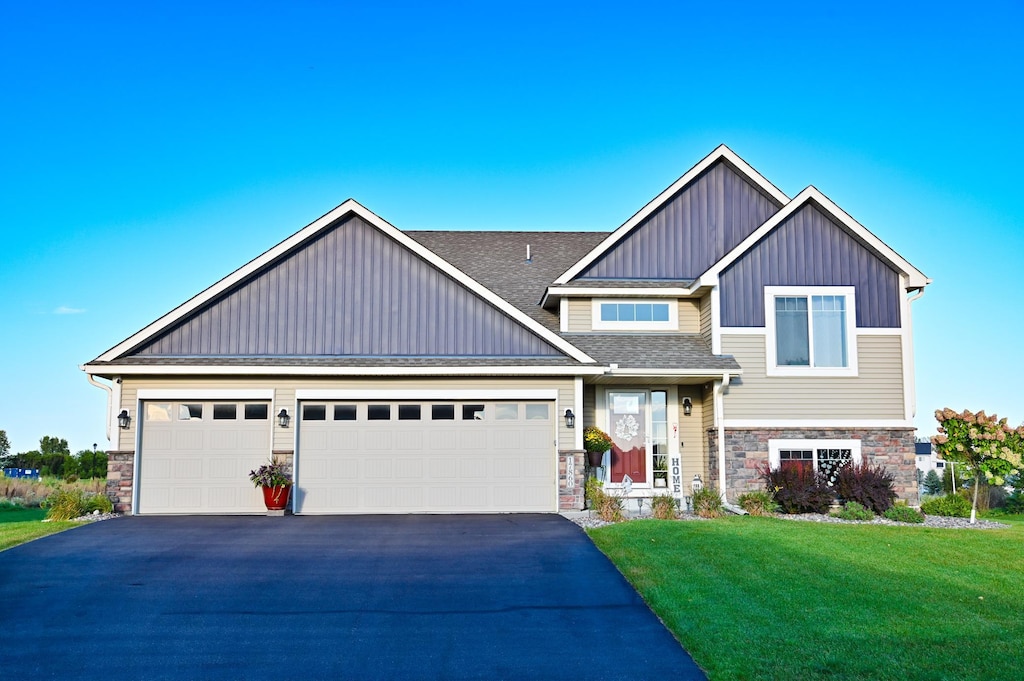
31, 493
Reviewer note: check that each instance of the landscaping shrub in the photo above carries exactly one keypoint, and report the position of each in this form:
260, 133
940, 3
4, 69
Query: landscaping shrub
968, 494
951, 505
797, 490
608, 507
98, 502
65, 504
663, 507
870, 486
853, 510
758, 503
707, 503
902, 513
932, 483
1014, 503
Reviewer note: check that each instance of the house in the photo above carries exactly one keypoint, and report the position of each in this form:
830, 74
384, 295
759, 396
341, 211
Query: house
927, 459
723, 326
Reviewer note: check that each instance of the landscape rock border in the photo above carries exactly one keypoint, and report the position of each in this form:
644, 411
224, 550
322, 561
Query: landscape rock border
591, 520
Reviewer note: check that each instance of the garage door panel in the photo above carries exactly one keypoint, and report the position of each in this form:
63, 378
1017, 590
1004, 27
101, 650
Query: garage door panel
444, 465
194, 466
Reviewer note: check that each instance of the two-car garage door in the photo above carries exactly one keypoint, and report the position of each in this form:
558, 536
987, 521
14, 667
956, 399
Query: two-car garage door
430, 456
353, 456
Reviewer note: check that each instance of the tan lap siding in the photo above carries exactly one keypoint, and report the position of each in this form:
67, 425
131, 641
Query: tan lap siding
689, 315
691, 435
876, 393
580, 314
705, 317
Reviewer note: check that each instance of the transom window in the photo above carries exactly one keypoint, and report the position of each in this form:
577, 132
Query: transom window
810, 330
635, 315
825, 456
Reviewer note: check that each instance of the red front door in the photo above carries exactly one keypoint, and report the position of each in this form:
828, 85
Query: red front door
627, 425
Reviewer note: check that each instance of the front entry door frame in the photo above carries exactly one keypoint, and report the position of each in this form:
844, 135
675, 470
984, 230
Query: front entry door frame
604, 412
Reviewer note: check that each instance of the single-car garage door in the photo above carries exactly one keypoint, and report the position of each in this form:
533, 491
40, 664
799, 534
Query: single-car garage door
426, 457
196, 456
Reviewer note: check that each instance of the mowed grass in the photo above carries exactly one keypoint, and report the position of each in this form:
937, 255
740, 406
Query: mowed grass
762, 598
20, 525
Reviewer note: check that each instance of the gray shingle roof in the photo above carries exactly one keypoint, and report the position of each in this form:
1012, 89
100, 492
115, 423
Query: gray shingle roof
652, 351
338, 361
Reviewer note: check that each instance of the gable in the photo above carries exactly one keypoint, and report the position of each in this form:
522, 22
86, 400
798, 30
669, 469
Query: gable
810, 248
691, 231
350, 290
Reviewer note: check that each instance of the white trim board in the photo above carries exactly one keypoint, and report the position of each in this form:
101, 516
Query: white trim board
426, 394
204, 394
818, 423
352, 207
237, 370
722, 152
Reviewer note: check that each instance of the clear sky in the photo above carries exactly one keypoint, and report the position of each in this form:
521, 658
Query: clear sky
150, 148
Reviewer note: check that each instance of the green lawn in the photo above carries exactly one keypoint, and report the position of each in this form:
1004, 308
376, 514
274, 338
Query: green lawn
18, 526
762, 598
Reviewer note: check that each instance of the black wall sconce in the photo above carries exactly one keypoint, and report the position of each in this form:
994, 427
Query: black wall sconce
283, 419
570, 419
123, 419
687, 406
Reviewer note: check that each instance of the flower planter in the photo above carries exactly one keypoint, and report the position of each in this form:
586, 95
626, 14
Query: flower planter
276, 498
595, 458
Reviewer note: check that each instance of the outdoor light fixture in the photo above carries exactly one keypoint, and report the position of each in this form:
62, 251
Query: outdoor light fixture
697, 484
283, 419
687, 406
570, 419
123, 419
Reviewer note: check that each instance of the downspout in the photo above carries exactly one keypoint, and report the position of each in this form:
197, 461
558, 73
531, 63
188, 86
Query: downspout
720, 423
110, 400
910, 355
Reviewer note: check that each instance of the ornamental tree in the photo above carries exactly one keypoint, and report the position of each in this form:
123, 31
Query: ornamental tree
986, 445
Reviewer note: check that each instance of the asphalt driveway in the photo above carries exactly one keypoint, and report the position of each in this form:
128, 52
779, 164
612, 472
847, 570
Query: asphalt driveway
316, 597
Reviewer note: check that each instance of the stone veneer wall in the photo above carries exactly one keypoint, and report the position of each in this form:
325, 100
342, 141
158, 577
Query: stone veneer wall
120, 480
570, 492
745, 448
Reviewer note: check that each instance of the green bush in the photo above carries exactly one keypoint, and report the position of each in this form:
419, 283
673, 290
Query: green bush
758, 503
707, 503
902, 513
608, 507
951, 505
664, 507
1014, 503
853, 510
98, 502
65, 504
932, 483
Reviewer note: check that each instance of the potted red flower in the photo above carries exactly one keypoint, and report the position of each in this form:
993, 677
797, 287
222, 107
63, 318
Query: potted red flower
276, 484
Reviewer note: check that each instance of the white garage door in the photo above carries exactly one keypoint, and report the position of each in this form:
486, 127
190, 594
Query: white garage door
426, 457
196, 456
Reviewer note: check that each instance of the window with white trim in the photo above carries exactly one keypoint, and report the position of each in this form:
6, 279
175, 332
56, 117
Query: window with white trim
825, 456
810, 330
624, 314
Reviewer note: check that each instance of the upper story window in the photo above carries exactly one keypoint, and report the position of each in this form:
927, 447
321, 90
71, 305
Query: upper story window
810, 330
635, 315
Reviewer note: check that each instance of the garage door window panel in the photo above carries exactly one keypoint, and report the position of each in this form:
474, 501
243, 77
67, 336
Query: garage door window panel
158, 412
472, 412
506, 412
190, 412
344, 412
314, 412
442, 412
378, 412
256, 412
225, 412
537, 412
408, 412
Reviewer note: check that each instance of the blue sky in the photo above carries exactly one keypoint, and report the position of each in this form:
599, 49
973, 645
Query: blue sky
149, 149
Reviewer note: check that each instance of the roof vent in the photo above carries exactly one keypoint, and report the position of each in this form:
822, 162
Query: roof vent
529, 259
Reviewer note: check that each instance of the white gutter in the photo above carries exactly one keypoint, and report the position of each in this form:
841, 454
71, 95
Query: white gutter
720, 387
110, 400
909, 354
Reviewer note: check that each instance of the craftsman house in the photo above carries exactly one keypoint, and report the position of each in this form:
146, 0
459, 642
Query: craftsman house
723, 325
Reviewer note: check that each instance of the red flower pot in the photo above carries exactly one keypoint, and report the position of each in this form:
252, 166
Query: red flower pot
276, 498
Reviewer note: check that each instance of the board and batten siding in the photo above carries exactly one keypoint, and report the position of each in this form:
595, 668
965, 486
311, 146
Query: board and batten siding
810, 249
351, 290
875, 393
705, 220
285, 390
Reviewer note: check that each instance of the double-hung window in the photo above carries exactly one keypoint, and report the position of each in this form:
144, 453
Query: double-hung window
810, 330
827, 457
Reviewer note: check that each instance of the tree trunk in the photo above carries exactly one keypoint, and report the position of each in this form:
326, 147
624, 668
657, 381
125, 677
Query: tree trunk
974, 505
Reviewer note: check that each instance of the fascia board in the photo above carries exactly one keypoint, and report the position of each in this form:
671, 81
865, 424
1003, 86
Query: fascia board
557, 292
353, 207
720, 153
709, 373
914, 277
241, 370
